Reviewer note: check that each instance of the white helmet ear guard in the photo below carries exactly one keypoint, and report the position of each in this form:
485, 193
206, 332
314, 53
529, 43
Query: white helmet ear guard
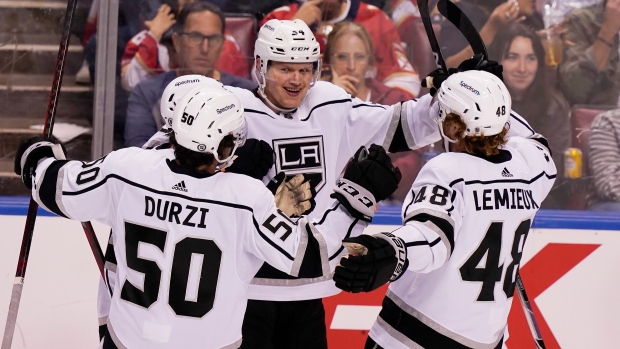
289, 41
205, 116
176, 89
481, 100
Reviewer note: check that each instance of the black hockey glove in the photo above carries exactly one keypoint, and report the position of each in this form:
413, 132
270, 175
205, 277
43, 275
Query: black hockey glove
31, 152
477, 62
373, 261
294, 197
435, 78
368, 178
254, 159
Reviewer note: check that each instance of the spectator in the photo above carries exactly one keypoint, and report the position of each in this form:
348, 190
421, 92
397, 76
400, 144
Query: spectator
392, 66
489, 17
590, 71
149, 52
519, 49
198, 39
348, 54
604, 155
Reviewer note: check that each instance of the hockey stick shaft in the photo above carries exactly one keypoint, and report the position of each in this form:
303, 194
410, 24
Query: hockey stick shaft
31, 216
529, 313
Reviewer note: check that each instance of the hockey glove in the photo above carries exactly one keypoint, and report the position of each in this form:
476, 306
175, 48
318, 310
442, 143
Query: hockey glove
434, 80
293, 197
477, 62
373, 261
31, 152
368, 178
254, 159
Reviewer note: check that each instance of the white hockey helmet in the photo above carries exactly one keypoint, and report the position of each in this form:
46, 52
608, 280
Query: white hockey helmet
176, 89
285, 41
207, 114
481, 100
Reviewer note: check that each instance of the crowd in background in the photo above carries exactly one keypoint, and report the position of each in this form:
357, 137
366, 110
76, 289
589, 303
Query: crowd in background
556, 55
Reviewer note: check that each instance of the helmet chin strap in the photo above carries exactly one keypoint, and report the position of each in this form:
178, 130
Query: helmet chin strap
446, 139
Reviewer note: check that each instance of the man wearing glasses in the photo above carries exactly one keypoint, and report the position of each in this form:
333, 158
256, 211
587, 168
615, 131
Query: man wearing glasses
198, 39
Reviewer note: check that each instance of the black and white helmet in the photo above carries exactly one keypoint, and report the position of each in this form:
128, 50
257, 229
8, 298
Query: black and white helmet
285, 41
481, 100
207, 114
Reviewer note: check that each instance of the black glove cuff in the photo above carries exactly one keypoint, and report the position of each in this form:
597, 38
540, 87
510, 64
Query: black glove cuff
401, 253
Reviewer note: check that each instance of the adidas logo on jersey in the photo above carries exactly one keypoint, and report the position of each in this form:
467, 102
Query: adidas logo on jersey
506, 173
180, 186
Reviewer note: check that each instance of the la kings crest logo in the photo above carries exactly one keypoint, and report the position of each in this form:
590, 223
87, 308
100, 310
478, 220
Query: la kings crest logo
302, 155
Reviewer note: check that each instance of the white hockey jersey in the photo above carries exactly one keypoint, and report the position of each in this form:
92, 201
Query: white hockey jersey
187, 244
466, 222
318, 139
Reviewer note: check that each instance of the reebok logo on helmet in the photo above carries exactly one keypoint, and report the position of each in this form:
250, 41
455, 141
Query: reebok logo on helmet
228, 107
463, 84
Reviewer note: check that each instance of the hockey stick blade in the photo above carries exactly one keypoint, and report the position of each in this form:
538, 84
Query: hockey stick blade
31, 216
529, 313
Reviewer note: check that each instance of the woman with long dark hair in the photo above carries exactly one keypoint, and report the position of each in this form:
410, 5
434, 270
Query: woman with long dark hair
519, 49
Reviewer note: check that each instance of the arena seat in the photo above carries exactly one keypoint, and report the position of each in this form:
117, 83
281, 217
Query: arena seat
582, 116
419, 49
243, 27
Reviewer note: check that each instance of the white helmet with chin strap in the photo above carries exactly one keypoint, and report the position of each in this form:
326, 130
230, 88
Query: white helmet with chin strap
481, 100
204, 116
176, 89
284, 41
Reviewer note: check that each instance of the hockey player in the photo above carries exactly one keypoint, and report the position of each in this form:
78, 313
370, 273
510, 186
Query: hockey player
314, 127
188, 238
453, 264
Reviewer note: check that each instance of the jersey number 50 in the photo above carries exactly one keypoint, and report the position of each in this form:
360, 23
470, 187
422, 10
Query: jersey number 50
491, 246
179, 273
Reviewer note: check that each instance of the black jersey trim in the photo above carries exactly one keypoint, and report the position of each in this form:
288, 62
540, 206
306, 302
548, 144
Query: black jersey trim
260, 232
499, 158
247, 110
311, 265
522, 121
525, 181
338, 101
399, 142
369, 105
47, 190
416, 330
176, 168
326, 212
441, 223
347, 236
404, 214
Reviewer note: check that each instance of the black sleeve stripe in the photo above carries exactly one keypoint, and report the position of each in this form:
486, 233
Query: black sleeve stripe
369, 105
544, 142
335, 255
327, 212
525, 181
311, 265
435, 242
409, 204
423, 243
399, 142
110, 256
442, 224
47, 190
324, 104
260, 233
246, 110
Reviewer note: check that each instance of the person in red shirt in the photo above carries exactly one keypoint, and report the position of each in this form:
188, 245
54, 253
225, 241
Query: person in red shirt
392, 66
150, 52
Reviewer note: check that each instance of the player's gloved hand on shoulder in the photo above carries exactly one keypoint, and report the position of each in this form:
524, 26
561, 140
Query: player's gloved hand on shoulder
368, 178
293, 197
254, 159
434, 80
477, 62
373, 260
31, 152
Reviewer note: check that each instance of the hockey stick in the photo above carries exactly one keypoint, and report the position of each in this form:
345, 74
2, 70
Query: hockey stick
454, 14
529, 313
31, 216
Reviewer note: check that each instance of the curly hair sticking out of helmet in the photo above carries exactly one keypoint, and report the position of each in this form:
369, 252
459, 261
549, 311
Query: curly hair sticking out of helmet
455, 127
